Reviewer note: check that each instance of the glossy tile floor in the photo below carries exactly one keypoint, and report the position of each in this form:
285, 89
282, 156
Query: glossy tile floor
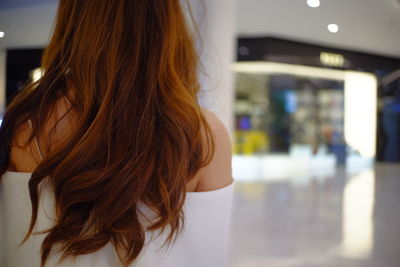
345, 219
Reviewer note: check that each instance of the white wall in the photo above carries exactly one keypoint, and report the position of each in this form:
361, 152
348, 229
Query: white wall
215, 20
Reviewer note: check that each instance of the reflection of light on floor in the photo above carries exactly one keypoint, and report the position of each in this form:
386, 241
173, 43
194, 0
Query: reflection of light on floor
358, 202
282, 167
252, 191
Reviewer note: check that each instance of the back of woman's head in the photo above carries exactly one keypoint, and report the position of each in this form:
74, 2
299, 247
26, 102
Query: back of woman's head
128, 70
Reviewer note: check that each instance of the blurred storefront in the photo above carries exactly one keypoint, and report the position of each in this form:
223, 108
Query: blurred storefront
304, 109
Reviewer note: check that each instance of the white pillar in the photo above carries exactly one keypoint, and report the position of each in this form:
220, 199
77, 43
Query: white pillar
2, 81
215, 20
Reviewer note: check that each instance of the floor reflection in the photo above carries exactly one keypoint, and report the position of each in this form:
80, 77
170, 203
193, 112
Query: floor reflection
358, 205
342, 220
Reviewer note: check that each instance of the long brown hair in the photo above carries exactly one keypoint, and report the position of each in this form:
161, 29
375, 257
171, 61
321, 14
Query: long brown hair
140, 135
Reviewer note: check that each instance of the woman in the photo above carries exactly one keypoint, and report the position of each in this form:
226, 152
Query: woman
110, 151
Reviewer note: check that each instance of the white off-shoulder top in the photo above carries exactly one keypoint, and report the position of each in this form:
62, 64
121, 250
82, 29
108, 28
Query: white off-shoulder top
203, 242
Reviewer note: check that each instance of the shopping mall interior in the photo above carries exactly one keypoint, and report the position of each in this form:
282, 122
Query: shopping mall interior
310, 91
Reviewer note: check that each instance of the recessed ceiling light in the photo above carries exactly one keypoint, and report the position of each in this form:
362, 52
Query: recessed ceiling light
2, 34
333, 28
313, 3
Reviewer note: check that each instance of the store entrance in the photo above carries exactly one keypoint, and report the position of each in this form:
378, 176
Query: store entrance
291, 119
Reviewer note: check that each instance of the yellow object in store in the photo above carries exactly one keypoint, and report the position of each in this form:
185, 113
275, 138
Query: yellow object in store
250, 142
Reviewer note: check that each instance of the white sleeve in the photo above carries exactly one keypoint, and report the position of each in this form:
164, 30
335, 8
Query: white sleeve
209, 225
205, 239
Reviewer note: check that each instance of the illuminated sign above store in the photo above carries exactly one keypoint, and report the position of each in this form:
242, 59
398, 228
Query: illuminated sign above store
332, 60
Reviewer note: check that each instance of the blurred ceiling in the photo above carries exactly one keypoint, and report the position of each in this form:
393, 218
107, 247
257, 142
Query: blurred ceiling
22, 3
371, 26
26, 23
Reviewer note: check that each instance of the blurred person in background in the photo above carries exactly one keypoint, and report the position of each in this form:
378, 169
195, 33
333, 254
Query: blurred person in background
108, 159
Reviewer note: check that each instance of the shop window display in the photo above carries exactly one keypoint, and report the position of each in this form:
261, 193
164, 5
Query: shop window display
282, 113
294, 120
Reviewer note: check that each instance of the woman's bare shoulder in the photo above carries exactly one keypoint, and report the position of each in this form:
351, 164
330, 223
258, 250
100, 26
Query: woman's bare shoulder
218, 173
25, 156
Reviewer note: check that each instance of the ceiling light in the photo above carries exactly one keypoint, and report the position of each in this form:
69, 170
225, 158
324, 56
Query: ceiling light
313, 3
333, 28
2, 34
